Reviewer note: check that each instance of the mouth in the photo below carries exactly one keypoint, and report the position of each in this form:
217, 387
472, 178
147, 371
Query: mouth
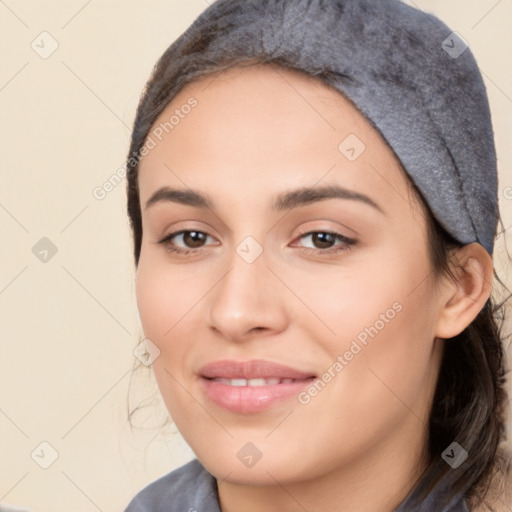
253, 382
251, 386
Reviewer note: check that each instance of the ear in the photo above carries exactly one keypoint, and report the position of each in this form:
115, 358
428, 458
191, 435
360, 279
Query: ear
464, 297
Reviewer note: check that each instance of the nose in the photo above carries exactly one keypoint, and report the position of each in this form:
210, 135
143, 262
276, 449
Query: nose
247, 302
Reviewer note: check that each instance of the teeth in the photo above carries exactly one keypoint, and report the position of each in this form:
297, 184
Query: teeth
253, 382
256, 382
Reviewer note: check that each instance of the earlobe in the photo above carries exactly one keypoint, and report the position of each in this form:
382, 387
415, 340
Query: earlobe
467, 294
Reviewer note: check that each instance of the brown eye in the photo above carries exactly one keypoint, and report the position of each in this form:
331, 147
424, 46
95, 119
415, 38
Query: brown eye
325, 241
185, 240
193, 239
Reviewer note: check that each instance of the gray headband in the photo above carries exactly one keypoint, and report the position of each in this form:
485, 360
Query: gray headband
408, 73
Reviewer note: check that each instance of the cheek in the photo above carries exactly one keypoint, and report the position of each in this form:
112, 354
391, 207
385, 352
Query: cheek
168, 300
382, 322
381, 375
164, 296
162, 312
152, 302
373, 294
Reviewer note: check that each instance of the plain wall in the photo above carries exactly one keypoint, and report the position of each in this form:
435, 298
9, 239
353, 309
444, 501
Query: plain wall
69, 325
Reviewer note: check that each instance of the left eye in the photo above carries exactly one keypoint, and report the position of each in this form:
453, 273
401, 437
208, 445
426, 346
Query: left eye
326, 240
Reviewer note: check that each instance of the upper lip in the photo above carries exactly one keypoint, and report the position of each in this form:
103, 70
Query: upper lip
253, 369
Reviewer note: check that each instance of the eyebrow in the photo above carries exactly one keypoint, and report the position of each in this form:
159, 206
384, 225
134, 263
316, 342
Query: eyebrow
307, 195
284, 201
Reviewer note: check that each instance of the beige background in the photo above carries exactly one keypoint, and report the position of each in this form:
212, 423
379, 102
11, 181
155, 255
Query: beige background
69, 325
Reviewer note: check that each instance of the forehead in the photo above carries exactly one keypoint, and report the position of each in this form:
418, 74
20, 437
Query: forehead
269, 99
265, 127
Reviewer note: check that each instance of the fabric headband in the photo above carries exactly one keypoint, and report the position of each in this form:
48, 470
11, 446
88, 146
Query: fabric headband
412, 77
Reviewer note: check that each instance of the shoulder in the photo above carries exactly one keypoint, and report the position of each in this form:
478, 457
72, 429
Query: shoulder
184, 489
499, 495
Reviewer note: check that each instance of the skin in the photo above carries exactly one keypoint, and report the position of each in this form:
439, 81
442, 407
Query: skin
256, 132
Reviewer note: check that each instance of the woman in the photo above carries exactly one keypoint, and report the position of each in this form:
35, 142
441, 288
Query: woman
312, 192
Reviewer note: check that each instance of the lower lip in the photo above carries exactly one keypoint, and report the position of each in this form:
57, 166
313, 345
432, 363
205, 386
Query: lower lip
247, 399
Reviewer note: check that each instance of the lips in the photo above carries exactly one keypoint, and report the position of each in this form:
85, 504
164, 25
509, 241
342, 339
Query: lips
254, 369
251, 386
253, 382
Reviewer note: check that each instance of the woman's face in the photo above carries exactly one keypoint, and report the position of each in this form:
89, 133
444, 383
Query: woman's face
296, 316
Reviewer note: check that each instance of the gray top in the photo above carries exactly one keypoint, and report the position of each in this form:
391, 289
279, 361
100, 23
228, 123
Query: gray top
186, 489
191, 488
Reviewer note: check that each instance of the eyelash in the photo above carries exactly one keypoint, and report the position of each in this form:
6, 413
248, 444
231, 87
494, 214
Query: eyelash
348, 243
